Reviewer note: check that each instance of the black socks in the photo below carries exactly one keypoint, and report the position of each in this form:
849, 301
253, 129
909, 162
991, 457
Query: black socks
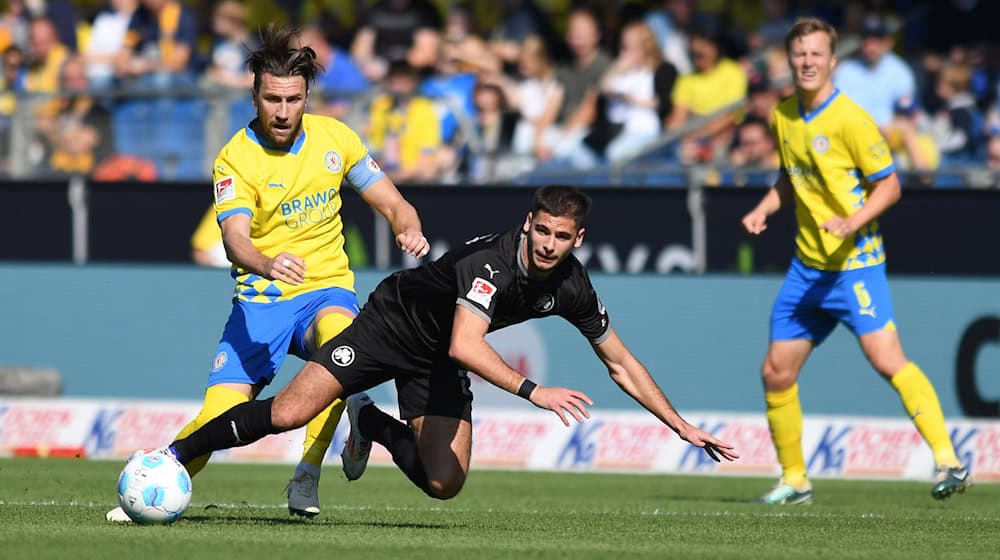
241, 425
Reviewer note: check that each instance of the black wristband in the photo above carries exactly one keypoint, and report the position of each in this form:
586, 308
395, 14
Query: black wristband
524, 391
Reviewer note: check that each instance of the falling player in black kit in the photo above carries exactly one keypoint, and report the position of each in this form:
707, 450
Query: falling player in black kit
424, 328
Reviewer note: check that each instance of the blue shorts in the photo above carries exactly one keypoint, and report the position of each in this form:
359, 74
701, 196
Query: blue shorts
258, 336
811, 302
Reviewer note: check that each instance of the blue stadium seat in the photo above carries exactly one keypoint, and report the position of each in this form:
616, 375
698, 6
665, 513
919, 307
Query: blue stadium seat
133, 124
180, 138
241, 112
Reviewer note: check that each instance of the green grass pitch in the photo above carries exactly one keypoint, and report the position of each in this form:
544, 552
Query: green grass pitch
54, 508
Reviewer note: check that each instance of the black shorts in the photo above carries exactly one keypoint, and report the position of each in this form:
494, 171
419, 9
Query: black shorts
360, 360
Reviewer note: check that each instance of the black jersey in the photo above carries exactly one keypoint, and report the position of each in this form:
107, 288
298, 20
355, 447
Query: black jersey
416, 307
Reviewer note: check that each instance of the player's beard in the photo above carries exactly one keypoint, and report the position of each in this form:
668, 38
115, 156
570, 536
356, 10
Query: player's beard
293, 134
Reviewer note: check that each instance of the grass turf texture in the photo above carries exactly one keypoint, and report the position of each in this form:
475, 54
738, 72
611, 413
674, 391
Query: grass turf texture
55, 508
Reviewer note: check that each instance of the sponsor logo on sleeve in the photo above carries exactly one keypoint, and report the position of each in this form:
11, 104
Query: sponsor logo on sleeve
372, 166
481, 292
878, 149
225, 189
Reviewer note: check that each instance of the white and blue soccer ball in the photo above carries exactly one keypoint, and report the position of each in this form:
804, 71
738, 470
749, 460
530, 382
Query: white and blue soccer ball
154, 488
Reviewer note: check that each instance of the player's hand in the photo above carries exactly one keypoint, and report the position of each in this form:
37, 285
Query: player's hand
542, 152
413, 243
755, 222
715, 448
286, 267
562, 401
839, 226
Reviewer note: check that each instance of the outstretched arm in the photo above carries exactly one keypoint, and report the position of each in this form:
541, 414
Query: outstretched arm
383, 196
634, 379
470, 350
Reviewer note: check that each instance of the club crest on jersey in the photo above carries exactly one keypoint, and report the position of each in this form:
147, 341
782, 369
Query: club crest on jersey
821, 144
225, 189
220, 361
372, 165
545, 303
481, 292
333, 161
343, 356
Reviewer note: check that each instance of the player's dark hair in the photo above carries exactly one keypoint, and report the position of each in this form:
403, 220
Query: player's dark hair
808, 26
560, 201
281, 56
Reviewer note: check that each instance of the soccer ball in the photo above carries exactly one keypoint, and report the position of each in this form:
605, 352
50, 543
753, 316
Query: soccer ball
154, 488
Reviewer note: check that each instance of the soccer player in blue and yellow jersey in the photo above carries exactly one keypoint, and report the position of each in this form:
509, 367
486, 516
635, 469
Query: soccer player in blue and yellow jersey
838, 171
277, 201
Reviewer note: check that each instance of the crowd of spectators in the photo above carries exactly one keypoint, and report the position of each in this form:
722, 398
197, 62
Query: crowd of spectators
476, 91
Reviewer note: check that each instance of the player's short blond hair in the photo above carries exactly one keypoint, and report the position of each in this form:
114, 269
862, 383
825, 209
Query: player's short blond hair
808, 26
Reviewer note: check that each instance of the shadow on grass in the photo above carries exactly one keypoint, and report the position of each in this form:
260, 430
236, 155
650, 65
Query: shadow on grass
706, 499
248, 518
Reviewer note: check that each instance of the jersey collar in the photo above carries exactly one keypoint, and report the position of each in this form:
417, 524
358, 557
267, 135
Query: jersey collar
293, 149
810, 116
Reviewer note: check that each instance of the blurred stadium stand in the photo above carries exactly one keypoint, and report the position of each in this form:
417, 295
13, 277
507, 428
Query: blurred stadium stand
173, 132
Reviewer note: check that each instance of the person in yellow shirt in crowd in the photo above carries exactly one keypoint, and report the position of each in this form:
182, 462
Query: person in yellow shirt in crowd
912, 146
74, 128
47, 57
404, 131
717, 82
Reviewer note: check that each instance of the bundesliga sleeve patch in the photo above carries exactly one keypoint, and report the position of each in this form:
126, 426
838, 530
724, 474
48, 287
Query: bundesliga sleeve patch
481, 292
225, 189
372, 166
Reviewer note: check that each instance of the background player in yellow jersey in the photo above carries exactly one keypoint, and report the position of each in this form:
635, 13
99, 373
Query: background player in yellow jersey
277, 200
207, 248
838, 170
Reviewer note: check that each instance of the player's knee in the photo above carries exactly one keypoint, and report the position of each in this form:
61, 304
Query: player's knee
285, 418
770, 372
888, 367
445, 488
776, 378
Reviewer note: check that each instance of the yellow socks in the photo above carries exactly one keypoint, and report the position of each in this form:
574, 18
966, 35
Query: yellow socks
218, 399
319, 430
784, 416
921, 404
319, 433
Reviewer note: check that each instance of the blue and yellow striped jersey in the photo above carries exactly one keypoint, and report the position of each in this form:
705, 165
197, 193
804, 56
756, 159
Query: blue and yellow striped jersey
832, 156
293, 198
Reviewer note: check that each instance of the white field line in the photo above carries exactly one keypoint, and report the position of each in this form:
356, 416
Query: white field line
798, 513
